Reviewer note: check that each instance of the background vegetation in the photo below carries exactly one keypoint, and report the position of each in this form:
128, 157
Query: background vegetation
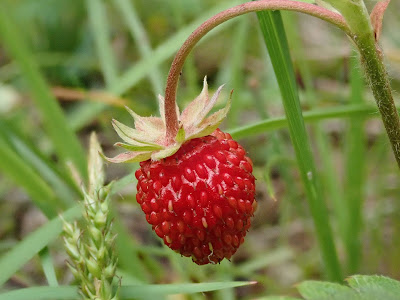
68, 67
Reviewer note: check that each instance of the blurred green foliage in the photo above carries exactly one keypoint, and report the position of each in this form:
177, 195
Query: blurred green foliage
72, 52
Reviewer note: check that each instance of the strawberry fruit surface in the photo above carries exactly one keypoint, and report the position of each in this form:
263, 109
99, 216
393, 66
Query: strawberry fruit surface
195, 185
201, 199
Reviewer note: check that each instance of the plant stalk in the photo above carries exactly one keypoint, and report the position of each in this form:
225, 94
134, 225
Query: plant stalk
171, 119
356, 15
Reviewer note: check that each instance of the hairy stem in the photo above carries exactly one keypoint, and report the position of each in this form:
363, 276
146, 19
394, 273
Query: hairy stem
363, 35
177, 64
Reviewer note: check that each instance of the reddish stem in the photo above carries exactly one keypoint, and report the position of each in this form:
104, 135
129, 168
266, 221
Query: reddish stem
203, 29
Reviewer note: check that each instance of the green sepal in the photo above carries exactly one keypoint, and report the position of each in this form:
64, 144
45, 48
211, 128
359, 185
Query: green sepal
138, 148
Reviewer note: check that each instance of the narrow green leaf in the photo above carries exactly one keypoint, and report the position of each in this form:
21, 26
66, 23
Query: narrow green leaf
275, 39
343, 111
43, 293
138, 32
126, 292
21, 173
65, 142
138, 148
48, 266
128, 258
60, 182
318, 290
146, 65
355, 173
278, 298
327, 169
275, 257
121, 183
99, 25
21, 253
235, 67
184, 288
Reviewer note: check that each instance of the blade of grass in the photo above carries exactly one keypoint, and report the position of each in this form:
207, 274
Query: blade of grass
146, 65
46, 59
275, 39
65, 142
14, 167
128, 12
166, 50
343, 111
328, 173
235, 65
128, 257
259, 262
276, 147
99, 25
355, 170
48, 266
61, 184
189, 72
21, 253
126, 292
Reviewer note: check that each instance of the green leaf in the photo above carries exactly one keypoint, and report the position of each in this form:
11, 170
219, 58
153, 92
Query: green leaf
375, 287
48, 266
343, 111
99, 25
149, 291
21, 173
138, 32
21, 253
60, 182
65, 142
138, 148
317, 290
275, 39
354, 176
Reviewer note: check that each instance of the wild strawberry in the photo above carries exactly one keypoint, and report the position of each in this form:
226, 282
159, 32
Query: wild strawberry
197, 192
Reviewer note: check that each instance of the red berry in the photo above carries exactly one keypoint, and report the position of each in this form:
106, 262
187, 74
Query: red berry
200, 200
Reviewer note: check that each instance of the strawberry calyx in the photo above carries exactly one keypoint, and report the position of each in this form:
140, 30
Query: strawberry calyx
148, 140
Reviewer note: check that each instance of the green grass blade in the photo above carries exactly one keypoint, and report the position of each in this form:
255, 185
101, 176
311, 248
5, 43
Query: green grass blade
65, 142
327, 170
99, 25
166, 50
126, 292
152, 290
128, 258
128, 12
355, 170
275, 39
278, 298
146, 65
14, 167
61, 183
344, 111
21, 253
48, 266
234, 68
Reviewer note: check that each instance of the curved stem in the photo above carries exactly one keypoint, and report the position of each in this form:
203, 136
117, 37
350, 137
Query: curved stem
364, 37
177, 64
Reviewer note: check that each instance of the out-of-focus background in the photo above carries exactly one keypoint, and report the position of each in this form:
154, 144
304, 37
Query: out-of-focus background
98, 56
